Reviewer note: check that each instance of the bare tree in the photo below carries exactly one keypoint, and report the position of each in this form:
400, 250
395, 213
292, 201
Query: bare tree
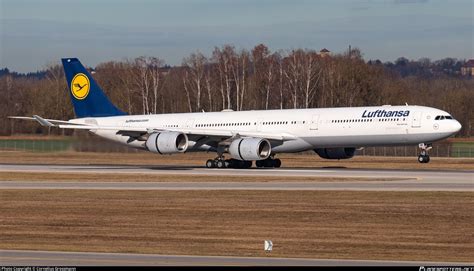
208, 77
194, 79
293, 73
186, 90
312, 74
155, 66
239, 64
223, 57
279, 60
57, 81
264, 72
141, 76
127, 84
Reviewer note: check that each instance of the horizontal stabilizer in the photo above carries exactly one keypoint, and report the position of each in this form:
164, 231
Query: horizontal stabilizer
42, 121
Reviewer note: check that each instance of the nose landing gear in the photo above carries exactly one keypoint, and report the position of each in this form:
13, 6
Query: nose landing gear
424, 148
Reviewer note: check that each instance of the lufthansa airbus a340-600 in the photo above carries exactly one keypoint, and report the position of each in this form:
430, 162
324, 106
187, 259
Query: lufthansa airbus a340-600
246, 136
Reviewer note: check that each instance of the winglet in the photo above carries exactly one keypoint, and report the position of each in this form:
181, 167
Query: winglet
42, 121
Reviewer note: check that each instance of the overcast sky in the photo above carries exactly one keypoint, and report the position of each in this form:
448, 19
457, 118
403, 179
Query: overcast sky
36, 33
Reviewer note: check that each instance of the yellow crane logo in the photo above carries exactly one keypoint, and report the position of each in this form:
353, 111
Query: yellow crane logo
80, 86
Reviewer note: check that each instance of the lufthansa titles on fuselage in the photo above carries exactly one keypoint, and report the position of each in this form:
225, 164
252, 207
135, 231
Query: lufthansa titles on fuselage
385, 114
136, 120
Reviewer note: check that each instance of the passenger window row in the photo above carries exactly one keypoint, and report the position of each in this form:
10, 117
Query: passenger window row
365, 120
353, 120
223, 124
281, 122
395, 119
246, 123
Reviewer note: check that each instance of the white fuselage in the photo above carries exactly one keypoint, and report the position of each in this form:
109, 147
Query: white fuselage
311, 128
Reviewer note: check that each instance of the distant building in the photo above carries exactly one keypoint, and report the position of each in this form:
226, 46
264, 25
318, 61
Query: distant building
468, 68
324, 52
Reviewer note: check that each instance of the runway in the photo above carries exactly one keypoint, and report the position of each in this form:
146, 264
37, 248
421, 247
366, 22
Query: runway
55, 258
400, 180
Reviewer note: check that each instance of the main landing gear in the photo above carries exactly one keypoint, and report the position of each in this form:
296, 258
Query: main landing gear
221, 162
269, 162
424, 148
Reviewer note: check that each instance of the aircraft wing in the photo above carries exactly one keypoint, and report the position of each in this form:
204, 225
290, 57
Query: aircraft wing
133, 131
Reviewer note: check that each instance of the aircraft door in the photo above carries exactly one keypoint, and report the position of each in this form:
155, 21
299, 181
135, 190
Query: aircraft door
259, 124
314, 122
190, 123
416, 121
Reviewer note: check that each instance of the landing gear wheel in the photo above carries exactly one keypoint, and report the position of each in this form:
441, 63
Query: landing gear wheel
423, 158
247, 164
210, 163
277, 163
234, 163
220, 164
269, 163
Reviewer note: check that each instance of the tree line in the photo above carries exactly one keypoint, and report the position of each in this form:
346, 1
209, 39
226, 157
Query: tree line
244, 80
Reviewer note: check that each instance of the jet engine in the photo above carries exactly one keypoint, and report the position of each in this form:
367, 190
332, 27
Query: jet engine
167, 142
336, 153
250, 148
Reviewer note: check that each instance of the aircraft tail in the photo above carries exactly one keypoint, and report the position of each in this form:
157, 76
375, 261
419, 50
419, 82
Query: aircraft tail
87, 97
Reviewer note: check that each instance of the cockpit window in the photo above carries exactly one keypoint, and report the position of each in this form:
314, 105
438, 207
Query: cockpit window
443, 117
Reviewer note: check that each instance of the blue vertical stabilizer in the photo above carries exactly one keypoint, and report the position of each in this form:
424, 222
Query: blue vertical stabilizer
87, 97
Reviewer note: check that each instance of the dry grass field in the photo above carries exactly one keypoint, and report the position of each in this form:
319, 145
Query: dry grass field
198, 159
140, 177
431, 226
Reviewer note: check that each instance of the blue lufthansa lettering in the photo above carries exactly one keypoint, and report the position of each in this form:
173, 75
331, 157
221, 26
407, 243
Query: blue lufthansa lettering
385, 114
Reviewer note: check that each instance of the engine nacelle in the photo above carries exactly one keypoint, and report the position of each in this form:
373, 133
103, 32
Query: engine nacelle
250, 148
336, 153
167, 142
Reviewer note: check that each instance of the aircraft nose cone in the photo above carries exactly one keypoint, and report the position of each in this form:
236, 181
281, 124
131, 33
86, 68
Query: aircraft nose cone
457, 126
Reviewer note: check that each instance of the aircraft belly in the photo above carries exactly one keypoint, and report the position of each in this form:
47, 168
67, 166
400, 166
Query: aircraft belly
296, 145
111, 135
374, 140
